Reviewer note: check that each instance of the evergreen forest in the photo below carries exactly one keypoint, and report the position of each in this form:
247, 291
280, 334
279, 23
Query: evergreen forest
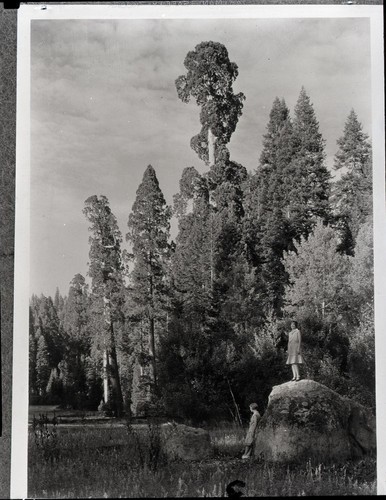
195, 327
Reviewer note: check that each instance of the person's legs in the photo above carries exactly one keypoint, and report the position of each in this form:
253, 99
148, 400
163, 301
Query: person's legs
247, 451
297, 372
293, 372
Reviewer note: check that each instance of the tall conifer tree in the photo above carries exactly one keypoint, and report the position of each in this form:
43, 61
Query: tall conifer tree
192, 260
310, 198
32, 354
352, 193
76, 325
76, 312
42, 365
149, 225
57, 299
268, 223
48, 321
209, 81
106, 272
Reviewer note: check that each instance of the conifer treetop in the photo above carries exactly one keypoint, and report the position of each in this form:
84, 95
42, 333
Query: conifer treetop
354, 146
209, 78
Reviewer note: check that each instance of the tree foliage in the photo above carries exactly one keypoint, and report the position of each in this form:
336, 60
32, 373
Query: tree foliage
352, 192
199, 325
149, 224
318, 275
42, 366
268, 222
312, 189
106, 272
209, 79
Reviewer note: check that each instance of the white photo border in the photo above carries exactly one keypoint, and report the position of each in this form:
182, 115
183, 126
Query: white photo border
28, 13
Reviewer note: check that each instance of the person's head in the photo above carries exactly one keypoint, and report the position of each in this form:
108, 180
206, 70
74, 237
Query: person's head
294, 324
253, 407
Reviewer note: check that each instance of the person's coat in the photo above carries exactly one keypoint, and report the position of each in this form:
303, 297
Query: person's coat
252, 428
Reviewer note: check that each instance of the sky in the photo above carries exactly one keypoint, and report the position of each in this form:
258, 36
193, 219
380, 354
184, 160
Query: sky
104, 106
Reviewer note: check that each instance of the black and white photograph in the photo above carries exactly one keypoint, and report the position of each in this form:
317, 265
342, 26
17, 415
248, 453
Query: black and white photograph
200, 254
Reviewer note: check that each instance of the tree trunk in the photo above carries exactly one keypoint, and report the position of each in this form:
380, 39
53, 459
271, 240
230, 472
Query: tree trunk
114, 378
236, 405
152, 352
111, 366
211, 141
105, 376
211, 250
152, 329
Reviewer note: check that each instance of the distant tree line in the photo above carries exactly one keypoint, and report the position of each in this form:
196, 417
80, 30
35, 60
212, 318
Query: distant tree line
207, 313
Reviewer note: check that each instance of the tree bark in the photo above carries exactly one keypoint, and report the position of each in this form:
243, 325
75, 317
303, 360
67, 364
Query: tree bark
211, 141
105, 376
211, 250
152, 329
114, 377
152, 351
111, 365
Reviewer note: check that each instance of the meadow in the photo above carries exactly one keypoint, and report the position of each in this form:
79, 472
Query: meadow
116, 459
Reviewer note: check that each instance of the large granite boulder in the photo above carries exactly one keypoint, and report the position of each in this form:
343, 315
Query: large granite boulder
186, 443
306, 420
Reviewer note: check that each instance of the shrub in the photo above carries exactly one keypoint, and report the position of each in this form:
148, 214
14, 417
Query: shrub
46, 437
146, 447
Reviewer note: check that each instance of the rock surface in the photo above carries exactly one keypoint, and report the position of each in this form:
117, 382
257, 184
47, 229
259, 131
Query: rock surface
306, 420
186, 443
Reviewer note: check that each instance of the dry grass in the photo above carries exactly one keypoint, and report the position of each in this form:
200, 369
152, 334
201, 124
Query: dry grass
111, 462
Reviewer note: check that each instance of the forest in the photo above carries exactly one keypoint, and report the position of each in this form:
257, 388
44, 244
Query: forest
195, 327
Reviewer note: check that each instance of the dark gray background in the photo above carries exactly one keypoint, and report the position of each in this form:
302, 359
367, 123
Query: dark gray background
8, 30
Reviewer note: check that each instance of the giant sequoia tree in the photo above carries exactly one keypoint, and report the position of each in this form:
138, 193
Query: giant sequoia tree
185, 351
105, 270
208, 266
149, 224
209, 81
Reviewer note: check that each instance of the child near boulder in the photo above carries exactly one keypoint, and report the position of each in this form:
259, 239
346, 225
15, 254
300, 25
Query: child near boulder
249, 439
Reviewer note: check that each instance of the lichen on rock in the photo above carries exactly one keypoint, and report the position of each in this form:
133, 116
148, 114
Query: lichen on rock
185, 443
307, 420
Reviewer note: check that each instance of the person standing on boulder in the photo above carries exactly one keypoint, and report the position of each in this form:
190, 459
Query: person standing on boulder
294, 355
250, 437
